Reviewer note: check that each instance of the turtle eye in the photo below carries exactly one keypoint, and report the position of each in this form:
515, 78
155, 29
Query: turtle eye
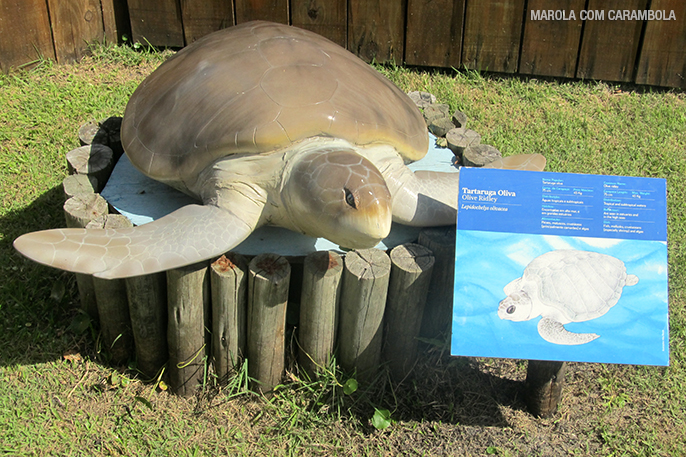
510, 309
350, 198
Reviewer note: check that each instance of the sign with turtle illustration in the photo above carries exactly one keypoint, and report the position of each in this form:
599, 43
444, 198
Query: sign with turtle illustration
553, 266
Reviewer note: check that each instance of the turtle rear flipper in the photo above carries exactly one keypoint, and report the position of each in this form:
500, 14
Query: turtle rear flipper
186, 236
554, 332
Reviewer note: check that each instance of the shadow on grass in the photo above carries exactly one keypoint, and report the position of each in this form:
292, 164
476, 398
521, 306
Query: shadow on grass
37, 303
450, 390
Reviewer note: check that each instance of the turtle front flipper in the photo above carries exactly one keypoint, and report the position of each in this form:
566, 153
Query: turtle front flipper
429, 198
554, 332
186, 236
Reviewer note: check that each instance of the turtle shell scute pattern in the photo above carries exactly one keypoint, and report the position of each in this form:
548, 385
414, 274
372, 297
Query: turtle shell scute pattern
256, 88
581, 285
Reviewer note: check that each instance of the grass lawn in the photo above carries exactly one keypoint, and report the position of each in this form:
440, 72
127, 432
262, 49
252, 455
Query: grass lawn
58, 396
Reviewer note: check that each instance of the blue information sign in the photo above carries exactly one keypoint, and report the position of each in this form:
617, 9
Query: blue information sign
557, 266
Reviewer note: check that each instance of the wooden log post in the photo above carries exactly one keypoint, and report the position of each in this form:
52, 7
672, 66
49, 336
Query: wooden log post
460, 138
229, 285
80, 209
437, 318
543, 386
321, 291
147, 297
94, 160
78, 212
105, 132
411, 268
187, 301
269, 275
73, 185
363, 301
112, 302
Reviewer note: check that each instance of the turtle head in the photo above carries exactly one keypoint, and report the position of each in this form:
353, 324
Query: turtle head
516, 307
339, 195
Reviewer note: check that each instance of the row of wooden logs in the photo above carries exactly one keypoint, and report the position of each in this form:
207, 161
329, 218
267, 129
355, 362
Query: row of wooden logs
370, 305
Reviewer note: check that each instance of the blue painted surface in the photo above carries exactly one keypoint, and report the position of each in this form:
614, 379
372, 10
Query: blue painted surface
490, 254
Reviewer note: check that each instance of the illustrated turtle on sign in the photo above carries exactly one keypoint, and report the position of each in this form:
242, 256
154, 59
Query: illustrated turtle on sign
565, 286
265, 124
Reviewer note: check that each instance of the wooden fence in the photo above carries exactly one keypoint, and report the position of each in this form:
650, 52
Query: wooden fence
507, 36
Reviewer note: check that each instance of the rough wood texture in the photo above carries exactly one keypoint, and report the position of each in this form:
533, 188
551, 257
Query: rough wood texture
376, 30
460, 139
147, 297
411, 268
80, 209
187, 301
229, 284
321, 291
115, 20
105, 132
75, 23
432, 42
550, 47
73, 185
94, 160
544, 383
115, 323
112, 302
25, 35
267, 299
609, 49
264, 10
363, 301
157, 23
439, 302
663, 60
479, 155
325, 17
201, 17
493, 32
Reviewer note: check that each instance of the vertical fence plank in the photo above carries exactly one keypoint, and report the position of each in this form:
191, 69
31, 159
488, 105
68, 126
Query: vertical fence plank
325, 17
201, 17
376, 30
492, 34
157, 23
550, 47
663, 60
115, 20
25, 34
609, 49
74, 24
263, 10
432, 42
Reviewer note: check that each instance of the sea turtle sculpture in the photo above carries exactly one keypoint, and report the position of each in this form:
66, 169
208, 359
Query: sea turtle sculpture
565, 286
265, 124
